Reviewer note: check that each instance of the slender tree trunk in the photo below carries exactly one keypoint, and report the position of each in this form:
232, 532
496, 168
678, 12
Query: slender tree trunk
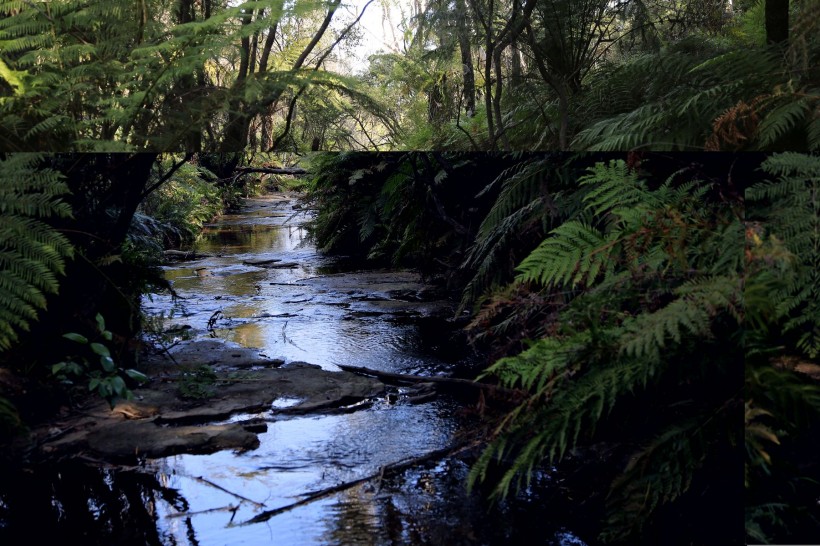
558, 85
516, 70
509, 34
499, 90
191, 87
467, 69
236, 130
777, 21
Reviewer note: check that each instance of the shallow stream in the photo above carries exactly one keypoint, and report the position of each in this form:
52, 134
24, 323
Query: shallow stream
265, 286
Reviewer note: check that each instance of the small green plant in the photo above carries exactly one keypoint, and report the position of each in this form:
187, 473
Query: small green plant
198, 383
97, 366
10, 421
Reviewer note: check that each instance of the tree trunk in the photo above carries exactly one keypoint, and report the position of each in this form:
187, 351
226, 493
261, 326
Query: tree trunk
106, 191
516, 70
467, 69
777, 21
236, 130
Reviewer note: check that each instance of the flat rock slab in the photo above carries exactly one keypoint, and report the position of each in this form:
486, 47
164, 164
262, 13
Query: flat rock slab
123, 439
211, 352
262, 261
158, 422
181, 255
279, 265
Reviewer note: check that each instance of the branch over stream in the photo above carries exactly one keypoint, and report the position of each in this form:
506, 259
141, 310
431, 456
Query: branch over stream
388, 470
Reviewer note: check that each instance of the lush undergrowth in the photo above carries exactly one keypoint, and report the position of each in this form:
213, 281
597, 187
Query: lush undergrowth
615, 293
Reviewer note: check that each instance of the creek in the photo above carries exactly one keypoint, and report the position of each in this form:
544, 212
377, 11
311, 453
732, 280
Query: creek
263, 285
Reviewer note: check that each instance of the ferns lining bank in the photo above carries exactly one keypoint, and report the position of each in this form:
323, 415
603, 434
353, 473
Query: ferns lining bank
621, 293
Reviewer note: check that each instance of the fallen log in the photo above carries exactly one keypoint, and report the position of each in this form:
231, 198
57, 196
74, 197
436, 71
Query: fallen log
451, 382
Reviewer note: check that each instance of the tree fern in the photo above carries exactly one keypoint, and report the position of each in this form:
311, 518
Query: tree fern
795, 217
677, 453
787, 117
575, 253
32, 254
689, 315
673, 99
638, 267
531, 195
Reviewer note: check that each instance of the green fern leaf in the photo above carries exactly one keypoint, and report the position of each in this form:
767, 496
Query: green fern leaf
32, 253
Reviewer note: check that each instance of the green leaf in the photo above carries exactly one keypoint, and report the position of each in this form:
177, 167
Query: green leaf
107, 364
58, 367
76, 337
118, 384
136, 375
105, 389
100, 322
108, 336
93, 384
100, 349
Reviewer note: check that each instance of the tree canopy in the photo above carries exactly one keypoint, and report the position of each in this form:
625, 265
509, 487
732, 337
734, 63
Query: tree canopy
470, 74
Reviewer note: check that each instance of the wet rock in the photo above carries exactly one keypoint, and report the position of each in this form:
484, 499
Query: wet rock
262, 262
158, 422
404, 295
128, 439
181, 256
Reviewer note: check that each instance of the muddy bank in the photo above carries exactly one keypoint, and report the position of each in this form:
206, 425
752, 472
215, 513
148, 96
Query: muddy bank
195, 388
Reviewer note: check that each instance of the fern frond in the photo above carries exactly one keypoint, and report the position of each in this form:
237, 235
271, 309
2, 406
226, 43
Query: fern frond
782, 120
32, 254
574, 253
794, 216
660, 472
691, 313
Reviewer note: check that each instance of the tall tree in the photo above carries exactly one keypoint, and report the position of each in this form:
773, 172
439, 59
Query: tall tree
777, 21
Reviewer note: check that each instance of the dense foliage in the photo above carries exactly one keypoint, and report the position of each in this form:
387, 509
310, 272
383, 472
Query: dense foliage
162, 75
614, 292
72, 322
468, 75
782, 343
646, 288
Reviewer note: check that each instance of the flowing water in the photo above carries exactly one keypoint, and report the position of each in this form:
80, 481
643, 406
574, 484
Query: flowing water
265, 286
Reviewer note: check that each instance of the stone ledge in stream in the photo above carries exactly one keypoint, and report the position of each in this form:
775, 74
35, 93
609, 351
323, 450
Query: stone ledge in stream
159, 422
272, 263
261, 261
183, 256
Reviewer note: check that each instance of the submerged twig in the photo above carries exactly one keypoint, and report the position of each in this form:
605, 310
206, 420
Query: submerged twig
237, 495
228, 508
